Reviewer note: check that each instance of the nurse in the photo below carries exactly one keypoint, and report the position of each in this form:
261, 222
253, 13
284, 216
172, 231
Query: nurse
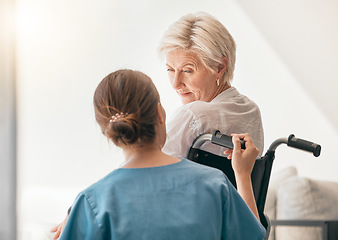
154, 195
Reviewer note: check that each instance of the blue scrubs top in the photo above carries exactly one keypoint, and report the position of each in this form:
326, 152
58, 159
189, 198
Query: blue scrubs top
184, 201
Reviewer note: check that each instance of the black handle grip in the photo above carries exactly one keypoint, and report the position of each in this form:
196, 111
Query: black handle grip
304, 145
224, 140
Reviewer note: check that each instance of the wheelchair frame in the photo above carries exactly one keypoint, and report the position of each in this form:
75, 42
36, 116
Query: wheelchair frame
261, 172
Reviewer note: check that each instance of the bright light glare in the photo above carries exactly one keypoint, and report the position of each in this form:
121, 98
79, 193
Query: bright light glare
27, 20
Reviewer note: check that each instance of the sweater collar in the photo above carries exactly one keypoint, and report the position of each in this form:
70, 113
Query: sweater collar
230, 92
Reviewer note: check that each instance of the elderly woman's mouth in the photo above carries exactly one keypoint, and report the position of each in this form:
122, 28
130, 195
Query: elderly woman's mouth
184, 94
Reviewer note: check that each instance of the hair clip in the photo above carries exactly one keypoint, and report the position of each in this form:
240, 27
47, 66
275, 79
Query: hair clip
117, 117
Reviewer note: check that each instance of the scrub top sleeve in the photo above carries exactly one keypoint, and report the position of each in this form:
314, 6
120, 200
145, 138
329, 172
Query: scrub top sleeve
82, 223
239, 222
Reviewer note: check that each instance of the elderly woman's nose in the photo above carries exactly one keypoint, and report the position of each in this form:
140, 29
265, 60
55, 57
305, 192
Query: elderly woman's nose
176, 81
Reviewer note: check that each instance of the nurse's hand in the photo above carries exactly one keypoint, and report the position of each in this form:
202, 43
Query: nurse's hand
242, 160
58, 229
242, 163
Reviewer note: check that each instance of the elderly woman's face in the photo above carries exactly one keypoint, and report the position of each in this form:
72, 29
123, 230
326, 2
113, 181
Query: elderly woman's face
190, 78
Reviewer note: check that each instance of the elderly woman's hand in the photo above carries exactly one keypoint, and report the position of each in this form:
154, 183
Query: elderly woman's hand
58, 229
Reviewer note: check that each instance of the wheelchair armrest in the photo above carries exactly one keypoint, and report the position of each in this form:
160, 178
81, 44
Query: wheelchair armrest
329, 227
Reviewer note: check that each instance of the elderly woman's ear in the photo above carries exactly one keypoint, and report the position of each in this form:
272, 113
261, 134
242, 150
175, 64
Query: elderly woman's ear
222, 67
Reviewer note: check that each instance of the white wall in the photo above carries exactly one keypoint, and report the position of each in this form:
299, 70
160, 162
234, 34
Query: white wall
305, 36
65, 48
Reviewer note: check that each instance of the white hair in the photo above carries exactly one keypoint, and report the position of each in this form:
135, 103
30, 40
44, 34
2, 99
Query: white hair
204, 35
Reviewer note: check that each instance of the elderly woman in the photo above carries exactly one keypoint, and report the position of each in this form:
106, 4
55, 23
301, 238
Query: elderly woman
200, 58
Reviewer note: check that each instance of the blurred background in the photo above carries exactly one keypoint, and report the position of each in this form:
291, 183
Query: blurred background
53, 54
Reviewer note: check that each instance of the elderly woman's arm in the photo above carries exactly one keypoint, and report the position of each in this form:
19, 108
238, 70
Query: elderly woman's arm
182, 129
243, 162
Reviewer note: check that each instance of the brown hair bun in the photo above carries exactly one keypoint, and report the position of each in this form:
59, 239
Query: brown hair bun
125, 104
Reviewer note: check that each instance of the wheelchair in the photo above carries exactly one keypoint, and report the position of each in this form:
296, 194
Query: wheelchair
261, 172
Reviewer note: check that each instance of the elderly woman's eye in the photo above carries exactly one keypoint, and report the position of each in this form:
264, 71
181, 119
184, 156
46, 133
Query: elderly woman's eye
187, 71
170, 70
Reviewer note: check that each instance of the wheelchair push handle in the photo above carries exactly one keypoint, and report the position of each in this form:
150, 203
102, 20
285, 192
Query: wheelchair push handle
224, 140
304, 145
